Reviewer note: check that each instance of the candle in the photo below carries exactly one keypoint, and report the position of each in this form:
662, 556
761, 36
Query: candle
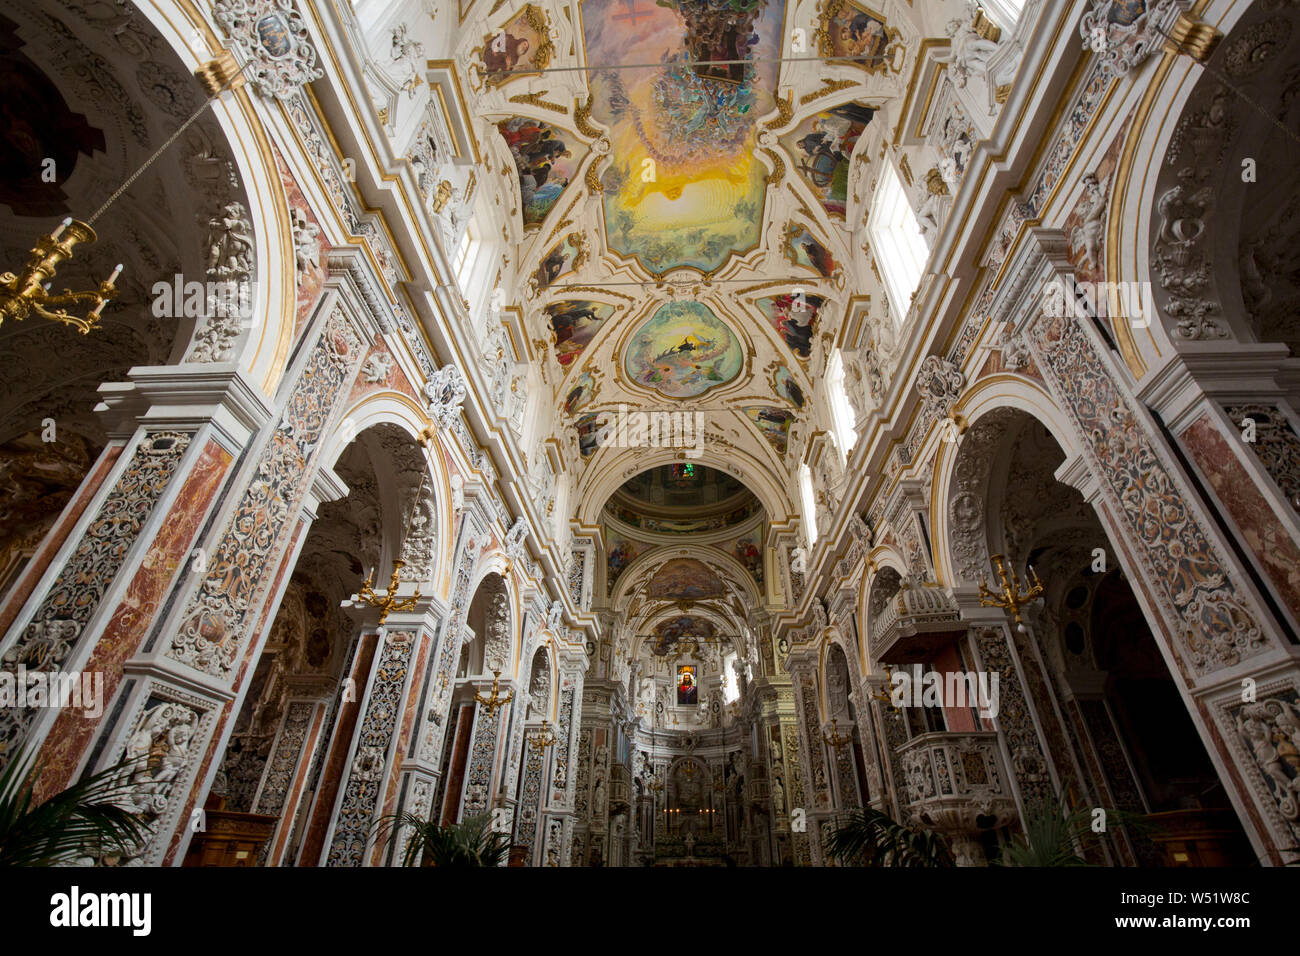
116, 272
63, 225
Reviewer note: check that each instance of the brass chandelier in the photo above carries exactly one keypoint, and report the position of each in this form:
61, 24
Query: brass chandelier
28, 292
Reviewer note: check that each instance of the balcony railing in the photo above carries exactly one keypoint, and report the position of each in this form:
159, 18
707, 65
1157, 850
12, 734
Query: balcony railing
919, 620
955, 782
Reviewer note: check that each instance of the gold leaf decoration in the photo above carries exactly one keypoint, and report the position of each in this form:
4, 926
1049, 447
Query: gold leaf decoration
785, 111
582, 119
828, 87
535, 99
778, 168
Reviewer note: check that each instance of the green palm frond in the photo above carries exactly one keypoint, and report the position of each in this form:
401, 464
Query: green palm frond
471, 842
1051, 837
83, 820
868, 837
1055, 835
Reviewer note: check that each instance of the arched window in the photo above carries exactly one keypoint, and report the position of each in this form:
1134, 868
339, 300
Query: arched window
896, 241
466, 254
842, 416
1005, 14
809, 503
730, 686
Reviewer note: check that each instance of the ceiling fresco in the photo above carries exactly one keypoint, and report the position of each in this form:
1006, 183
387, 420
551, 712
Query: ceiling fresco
564, 257
687, 202
822, 145
520, 48
787, 387
685, 579
546, 158
685, 187
683, 351
803, 248
575, 323
684, 628
774, 423
794, 316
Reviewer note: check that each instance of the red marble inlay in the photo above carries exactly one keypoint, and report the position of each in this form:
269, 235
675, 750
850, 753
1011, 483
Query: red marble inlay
1275, 549
1228, 767
72, 513
181, 834
288, 561
332, 776
290, 809
959, 719
313, 279
1084, 269
130, 622
460, 756
394, 380
994, 365
1159, 624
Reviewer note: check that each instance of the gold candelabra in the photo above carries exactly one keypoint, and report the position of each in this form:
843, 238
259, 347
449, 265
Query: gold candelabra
28, 293
690, 770
495, 700
389, 602
1009, 596
883, 696
543, 738
835, 740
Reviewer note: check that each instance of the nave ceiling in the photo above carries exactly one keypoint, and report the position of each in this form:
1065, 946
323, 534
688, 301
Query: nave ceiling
685, 187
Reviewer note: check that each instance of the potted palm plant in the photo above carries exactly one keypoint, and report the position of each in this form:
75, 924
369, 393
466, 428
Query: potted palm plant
472, 842
83, 820
867, 837
1055, 835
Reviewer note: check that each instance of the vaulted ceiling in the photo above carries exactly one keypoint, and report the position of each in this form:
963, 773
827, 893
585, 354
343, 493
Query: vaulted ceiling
689, 182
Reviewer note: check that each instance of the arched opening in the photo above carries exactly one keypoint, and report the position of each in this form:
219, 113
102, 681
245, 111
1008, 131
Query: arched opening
1124, 738
470, 746
845, 740
272, 771
63, 158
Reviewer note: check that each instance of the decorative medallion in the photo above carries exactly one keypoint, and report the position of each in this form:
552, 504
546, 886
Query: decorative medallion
683, 351
271, 35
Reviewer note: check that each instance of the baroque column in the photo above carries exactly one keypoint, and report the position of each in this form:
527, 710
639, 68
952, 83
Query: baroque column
802, 664
1226, 648
176, 638
558, 813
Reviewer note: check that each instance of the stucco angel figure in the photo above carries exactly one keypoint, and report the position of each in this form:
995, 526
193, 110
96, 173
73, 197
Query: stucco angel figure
230, 243
970, 51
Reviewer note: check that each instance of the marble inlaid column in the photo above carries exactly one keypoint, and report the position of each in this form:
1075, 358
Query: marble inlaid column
532, 783
410, 780
298, 739
436, 716
96, 585
558, 815
189, 641
1226, 647
819, 810
486, 747
368, 775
